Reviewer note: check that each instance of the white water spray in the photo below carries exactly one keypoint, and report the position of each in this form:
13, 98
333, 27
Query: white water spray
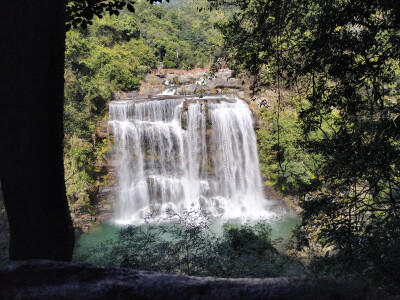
175, 152
169, 91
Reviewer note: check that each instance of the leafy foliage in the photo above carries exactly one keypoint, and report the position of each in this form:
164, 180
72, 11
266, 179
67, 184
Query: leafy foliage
82, 12
182, 37
78, 170
286, 165
184, 244
106, 57
341, 58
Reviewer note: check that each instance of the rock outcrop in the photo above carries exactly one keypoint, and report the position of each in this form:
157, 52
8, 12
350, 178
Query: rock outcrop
220, 83
61, 280
189, 89
225, 74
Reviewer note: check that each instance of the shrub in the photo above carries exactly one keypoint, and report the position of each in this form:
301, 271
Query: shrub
169, 64
186, 245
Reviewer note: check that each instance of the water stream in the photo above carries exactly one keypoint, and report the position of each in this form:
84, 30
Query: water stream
176, 152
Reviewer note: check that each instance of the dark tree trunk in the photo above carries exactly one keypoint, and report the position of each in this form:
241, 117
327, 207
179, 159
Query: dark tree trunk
31, 129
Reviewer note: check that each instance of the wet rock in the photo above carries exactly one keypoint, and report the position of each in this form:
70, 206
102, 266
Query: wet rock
131, 94
224, 74
152, 80
189, 89
182, 79
116, 95
240, 95
219, 83
185, 79
146, 90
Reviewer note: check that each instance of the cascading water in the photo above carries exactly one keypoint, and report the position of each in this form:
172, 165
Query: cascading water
170, 91
173, 153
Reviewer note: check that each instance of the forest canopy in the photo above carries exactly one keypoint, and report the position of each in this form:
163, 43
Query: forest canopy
339, 62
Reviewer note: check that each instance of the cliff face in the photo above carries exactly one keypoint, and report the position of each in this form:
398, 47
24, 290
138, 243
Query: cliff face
56, 280
181, 84
198, 81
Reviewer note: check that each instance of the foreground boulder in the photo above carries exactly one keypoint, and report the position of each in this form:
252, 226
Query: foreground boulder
60, 280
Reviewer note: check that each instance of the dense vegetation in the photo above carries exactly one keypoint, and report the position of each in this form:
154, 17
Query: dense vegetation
341, 60
184, 244
115, 53
285, 164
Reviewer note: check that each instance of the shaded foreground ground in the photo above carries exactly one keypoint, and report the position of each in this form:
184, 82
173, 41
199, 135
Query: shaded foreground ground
51, 280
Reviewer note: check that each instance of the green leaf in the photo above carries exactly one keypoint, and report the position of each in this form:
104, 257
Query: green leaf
130, 8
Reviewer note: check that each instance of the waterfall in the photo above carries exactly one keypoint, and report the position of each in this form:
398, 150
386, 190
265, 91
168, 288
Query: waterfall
169, 91
173, 153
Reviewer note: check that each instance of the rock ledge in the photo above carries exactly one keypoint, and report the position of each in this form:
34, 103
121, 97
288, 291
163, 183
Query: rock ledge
39, 279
